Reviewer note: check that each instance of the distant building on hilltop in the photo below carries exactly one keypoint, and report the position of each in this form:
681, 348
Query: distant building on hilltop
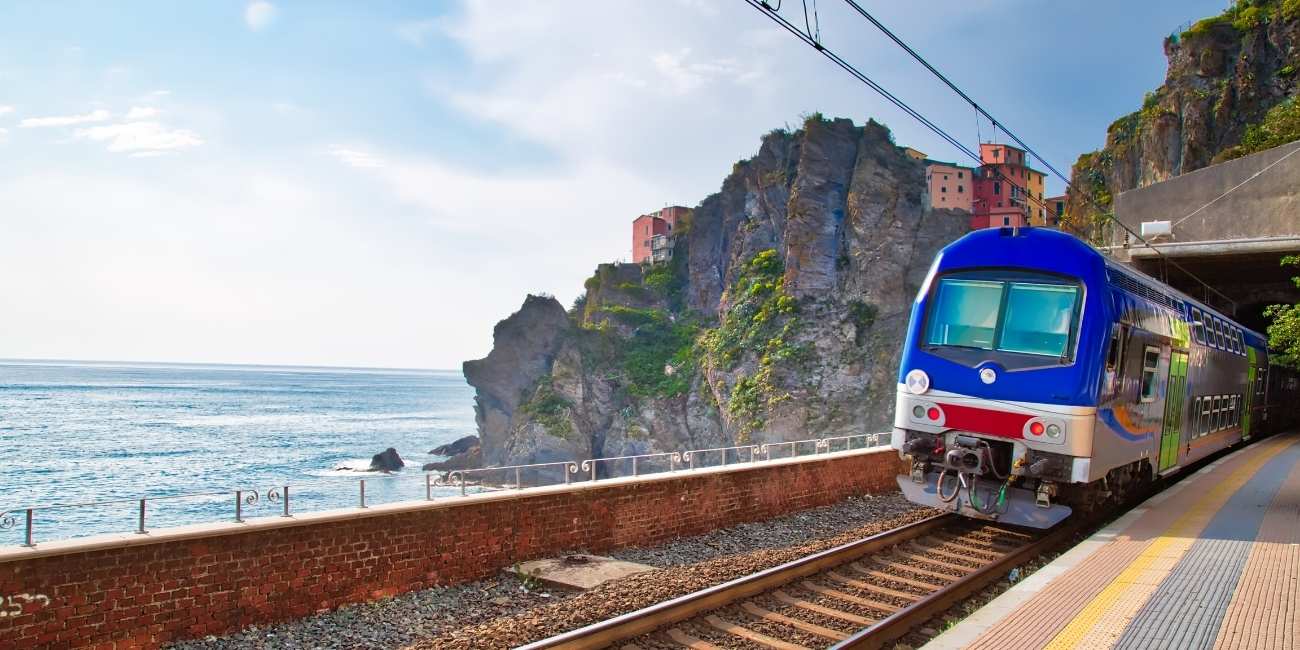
1056, 209
949, 185
1007, 191
652, 234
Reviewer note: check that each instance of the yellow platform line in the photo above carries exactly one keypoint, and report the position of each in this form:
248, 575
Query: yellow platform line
1112, 609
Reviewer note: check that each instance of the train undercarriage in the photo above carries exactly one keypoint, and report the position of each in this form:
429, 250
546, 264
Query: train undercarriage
978, 478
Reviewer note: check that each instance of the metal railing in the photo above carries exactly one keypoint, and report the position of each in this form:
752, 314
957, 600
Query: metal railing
520, 477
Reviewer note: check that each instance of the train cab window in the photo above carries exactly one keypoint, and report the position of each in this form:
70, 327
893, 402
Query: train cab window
965, 313
1024, 317
1150, 368
1198, 327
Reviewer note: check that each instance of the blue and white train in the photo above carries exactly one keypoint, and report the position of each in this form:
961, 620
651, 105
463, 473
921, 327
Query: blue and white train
1038, 377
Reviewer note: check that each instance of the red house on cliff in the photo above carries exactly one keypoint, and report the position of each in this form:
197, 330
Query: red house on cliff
652, 234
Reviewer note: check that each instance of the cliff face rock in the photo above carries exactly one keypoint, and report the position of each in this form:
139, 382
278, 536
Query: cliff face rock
779, 317
1224, 74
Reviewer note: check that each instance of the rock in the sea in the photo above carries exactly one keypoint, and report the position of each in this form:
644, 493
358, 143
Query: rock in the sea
457, 447
386, 461
472, 458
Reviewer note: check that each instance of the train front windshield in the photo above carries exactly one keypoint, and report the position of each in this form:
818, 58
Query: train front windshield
1027, 317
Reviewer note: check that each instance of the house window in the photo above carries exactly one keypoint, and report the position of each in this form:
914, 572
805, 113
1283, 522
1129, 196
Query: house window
959, 174
1006, 221
997, 188
944, 188
959, 189
1150, 366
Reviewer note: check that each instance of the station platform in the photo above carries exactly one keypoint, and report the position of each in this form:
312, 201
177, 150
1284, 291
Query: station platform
1211, 562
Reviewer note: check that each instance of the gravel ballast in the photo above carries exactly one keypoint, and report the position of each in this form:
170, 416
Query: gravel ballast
500, 613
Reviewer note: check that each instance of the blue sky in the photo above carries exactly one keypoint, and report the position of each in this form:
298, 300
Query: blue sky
378, 183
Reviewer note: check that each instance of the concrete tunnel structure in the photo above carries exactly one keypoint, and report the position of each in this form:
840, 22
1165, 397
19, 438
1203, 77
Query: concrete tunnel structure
1232, 224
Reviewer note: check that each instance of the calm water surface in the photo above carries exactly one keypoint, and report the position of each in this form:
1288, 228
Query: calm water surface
74, 432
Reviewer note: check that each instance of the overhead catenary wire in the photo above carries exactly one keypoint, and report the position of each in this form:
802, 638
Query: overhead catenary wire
811, 40
814, 41
1108, 214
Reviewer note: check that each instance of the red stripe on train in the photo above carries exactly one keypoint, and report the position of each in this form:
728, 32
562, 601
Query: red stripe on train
978, 420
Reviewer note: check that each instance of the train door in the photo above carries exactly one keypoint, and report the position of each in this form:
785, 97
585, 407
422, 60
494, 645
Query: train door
1175, 399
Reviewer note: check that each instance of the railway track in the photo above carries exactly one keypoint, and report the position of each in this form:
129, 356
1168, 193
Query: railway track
860, 595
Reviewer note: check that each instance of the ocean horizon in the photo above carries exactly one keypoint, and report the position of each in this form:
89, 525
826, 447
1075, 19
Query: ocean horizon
89, 431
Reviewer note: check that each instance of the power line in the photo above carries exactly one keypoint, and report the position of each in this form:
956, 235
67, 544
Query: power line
812, 41
1108, 214
815, 43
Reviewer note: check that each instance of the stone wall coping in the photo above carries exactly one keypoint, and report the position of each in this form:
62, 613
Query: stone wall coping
111, 541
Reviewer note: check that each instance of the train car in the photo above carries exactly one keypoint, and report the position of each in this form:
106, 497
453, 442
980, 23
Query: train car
1039, 377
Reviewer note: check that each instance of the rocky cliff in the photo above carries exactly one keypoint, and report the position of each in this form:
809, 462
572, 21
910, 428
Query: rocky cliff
779, 318
1225, 74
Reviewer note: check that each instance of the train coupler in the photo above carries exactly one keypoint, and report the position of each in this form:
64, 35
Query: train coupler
984, 499
1043, 495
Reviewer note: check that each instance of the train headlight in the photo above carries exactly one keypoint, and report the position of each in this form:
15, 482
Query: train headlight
918, 383
1036, 428
1053, 431
918, 411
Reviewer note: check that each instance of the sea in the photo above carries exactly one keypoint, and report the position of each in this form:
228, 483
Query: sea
83, 442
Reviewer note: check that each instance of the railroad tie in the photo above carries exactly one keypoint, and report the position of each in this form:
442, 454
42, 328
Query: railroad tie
689, 641
750, 635
941, 552
867, 586
919, 584
822, 609
946, 578
848, 598
811, 628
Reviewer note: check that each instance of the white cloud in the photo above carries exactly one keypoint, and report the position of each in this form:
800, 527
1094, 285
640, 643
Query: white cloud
416, 31
5, 110
4, 135
260, 14
686, 76
98, 115
141, 137
355, 157
141, 113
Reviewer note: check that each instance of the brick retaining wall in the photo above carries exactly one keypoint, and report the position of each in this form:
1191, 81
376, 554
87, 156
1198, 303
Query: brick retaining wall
139, 591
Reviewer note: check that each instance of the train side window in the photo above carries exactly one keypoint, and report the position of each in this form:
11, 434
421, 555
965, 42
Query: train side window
1150, 366
1220, 408
1235, 414
1205, 415
1241, 343
1218, 334
1198, 327
1235, 340
1196, 416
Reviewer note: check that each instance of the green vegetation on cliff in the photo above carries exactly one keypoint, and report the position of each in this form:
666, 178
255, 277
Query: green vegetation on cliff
761, 322
1284, 330
549, 409
1280, 125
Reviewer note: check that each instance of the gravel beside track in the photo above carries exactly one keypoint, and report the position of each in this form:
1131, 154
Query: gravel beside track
498, 613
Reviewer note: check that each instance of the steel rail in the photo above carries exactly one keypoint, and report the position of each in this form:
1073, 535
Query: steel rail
648, 619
